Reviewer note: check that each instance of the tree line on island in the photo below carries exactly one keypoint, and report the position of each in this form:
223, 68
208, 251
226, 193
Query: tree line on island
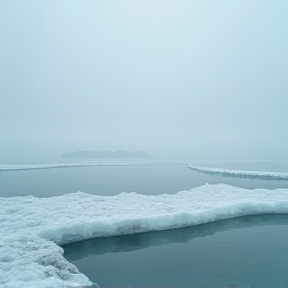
106, 154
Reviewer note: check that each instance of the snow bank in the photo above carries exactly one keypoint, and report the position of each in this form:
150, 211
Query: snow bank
87, 164
31, 227
241, 174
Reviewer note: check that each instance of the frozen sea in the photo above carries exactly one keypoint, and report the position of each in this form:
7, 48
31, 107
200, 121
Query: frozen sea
247, 251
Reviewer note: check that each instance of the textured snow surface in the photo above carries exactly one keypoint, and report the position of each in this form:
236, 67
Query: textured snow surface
241, 174
31, 227
90, 163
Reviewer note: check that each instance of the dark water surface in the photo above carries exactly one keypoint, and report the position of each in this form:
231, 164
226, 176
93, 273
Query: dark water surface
249, 251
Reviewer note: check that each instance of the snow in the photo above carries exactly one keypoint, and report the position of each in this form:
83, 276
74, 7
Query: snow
29, 261
31, 228
10, 167
241, 174
41, 166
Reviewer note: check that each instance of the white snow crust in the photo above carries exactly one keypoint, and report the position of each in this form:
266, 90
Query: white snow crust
41, 166
11, 167
241, 174
31, 227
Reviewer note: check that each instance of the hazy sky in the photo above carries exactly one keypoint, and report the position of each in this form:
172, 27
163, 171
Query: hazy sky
197, 79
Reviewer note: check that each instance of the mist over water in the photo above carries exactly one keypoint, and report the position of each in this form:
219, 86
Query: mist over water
176, 79
200, 82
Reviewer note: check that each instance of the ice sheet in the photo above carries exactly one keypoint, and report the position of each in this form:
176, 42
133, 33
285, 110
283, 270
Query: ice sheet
241, 174
31, 227
89, 163
41, 166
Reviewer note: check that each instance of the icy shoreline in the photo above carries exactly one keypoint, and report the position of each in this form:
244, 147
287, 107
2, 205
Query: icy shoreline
240, 173
32, 227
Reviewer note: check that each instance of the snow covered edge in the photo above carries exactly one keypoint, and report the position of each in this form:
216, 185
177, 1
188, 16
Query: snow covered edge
240, 173
31, 227
11, 167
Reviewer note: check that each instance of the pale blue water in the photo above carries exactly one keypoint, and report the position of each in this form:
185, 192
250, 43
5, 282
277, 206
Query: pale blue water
238, 252
141, 179
249, 251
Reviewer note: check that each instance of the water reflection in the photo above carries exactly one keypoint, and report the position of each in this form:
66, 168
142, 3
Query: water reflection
247, 251
126, 243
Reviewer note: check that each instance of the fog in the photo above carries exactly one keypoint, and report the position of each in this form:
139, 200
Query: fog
202, 80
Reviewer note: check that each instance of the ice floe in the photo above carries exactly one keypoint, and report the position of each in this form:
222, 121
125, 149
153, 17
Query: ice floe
41, 166
11, 167
97, 246
31, 228
241, 174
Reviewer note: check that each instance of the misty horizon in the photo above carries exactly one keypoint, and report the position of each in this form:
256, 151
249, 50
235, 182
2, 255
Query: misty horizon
195, 80
123, 118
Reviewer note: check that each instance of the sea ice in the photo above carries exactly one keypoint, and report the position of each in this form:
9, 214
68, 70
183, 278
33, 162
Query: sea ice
31, 227
11, 167
241, 174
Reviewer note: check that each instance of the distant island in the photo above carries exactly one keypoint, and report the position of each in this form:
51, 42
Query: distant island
106, 154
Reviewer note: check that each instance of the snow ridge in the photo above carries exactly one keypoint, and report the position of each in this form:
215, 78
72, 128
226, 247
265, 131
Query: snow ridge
31, 227
241, 174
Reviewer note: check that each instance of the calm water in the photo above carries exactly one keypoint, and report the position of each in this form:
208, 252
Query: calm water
239, 252
141, 179
243, 252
